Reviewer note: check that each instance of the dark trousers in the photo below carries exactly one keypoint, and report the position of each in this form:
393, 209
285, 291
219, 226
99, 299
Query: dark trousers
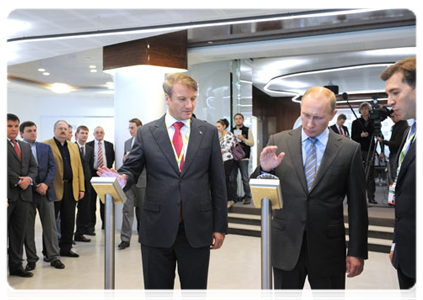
409, 287
159, 264
66, 207
242, 165
230, 191
295, 279
93, 207
17, 216
83, 214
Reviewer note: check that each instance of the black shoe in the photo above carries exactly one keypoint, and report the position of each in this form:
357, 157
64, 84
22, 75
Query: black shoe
57, 264
30, 266
247, 200
90, 231
46, 259
82, 239
123, 245
21, 273
69, 253
372, 201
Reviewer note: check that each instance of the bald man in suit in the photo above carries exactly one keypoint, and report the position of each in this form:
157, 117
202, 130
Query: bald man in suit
317, 169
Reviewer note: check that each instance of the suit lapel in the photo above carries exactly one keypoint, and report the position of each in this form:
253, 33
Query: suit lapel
408, 159
195, 138
331, 152
159, 131
295, 152
12, 150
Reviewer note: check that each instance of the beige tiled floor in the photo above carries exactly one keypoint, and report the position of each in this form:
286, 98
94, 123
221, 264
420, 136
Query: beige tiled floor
234, 274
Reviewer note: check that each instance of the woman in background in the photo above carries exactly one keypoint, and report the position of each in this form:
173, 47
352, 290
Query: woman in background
227, 142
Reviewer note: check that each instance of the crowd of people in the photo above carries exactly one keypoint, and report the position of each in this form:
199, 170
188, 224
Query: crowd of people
179, 174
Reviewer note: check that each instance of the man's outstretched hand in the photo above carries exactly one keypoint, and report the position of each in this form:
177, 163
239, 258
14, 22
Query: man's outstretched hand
106, 172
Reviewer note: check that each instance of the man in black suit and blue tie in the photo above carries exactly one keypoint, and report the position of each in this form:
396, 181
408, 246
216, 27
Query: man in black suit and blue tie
308, 234
185, 209
400, 85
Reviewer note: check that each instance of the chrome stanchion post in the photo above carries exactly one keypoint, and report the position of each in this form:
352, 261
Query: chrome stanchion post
109, 249
266, 255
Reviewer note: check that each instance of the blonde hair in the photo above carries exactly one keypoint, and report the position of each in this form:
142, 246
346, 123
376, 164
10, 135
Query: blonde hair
174, 78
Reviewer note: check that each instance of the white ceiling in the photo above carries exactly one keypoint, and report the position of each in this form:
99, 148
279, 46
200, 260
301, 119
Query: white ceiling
68, 60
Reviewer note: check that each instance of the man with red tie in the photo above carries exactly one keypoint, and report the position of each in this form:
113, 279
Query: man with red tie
185, 209
22, 170
339, 127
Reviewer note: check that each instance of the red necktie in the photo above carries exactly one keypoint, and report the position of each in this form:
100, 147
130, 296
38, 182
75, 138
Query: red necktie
17, 149
340, 130
178, 143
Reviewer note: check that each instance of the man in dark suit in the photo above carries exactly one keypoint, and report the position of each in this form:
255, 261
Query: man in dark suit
135, 195
43, 195
308, 234
185, 208
22, 170
400, 85
104, 155
87, 160
339, 127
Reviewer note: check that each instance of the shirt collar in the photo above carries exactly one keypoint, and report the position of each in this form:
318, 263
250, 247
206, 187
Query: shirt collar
322, 138
169, 120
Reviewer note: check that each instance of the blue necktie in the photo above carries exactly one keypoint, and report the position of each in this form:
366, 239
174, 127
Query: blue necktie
311, 162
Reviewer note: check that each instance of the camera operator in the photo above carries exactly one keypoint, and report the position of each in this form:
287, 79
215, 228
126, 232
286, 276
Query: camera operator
398, 129
362, 133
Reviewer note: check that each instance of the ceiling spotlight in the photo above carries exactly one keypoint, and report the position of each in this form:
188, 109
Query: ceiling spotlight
93, 71
41, 70
92, 67
60, 88
46, 73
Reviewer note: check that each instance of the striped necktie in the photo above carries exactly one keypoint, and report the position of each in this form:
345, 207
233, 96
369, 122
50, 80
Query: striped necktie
311, 162
100, 162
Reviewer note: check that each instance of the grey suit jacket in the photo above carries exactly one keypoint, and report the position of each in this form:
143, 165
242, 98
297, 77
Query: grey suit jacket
17, 168
319, 212
142, 180
200, 187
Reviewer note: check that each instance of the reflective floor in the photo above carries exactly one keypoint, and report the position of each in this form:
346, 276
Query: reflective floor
234, 274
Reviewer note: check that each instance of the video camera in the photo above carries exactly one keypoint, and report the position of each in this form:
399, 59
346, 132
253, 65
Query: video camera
377, 115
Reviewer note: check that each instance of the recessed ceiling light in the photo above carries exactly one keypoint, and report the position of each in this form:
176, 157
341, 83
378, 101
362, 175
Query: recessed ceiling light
41, 70
93, 71
60, 88
46, 73
92, 67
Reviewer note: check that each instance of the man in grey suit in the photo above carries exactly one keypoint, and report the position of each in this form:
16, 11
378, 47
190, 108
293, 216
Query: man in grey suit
317, 169
43, 196
400, 85
185, 208
22, 170
135, 195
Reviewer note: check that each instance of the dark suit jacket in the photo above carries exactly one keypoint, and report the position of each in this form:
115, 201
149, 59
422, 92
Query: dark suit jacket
46, 171
334, 127
320, 211
405, 213
200, 187
110, 155
87, 161
142, 180
16, 168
